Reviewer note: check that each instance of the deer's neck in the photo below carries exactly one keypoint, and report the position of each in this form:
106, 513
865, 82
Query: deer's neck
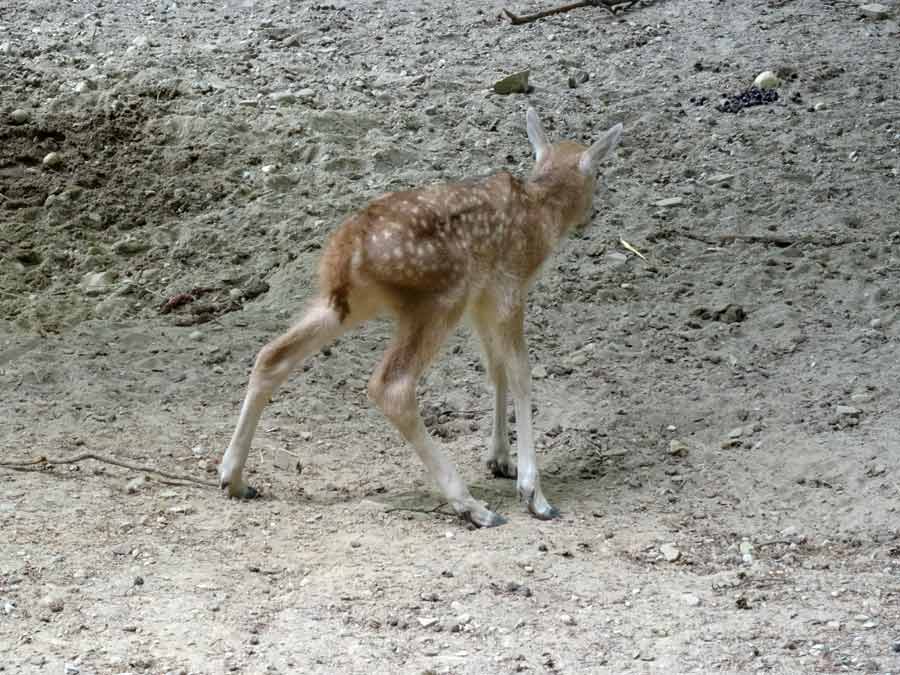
555, 205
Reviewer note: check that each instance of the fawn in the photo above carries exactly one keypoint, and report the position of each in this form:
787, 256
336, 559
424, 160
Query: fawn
427, 257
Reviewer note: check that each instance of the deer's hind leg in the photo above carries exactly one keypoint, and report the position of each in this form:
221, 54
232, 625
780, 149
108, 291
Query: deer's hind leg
497, 458
320, 325
420, 334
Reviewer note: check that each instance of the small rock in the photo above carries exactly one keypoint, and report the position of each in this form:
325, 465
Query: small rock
140, 42
464, 619
874, 11
737, 432
818, 107
83, 86
539, 372
567, 619
71, 669
283, 97
426, 622
691, 600
517, 83
139, 581
766, 80
130, 246
670, 552
896, 647
789, 532
848, 411
746, 549
135, 484
669, 201
97, 283
678, 448
306, 93
6, 48
195, 335
52, 160
719, 178
19, 116
53, 603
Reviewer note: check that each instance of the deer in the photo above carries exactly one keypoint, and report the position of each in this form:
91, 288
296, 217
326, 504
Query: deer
427, 258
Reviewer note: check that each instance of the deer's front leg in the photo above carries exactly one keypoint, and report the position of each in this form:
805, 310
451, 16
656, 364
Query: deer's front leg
519, 373
498, 458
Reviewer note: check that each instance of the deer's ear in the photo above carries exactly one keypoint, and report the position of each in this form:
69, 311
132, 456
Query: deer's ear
599, 150
536, 135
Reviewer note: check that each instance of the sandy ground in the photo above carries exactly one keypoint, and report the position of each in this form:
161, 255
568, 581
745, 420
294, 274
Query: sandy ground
719, 423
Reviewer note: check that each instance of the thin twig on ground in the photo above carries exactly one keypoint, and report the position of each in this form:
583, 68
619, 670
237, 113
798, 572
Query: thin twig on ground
779, 240
412, 509
46, 461
609, 5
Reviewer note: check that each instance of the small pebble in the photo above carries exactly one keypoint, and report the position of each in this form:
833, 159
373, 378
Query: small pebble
874, 11
139, 581
52, 160
135, 484
766, 80
517, 83
54, 604
19, 116
678, 448
426, 622
670, 552
567, 619
691, 600
848, 411
669, 201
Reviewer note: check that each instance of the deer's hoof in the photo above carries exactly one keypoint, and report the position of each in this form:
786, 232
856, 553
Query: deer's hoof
238, 489
537, 504
484, 518
502, 468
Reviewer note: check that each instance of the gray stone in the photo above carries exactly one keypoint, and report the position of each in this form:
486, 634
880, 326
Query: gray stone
719, 178
54, 603
848, 411
669, 201
130, 246
517, 83
19, 116
678, 448
52, 160
97, 283
670, 552
691, 600
874, 11
283, 97
135, 484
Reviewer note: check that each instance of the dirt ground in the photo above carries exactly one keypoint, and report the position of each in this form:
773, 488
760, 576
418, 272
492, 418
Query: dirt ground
719, 423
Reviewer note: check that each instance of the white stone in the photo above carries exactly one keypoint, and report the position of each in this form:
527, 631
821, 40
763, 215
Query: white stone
766, 80
874, 11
